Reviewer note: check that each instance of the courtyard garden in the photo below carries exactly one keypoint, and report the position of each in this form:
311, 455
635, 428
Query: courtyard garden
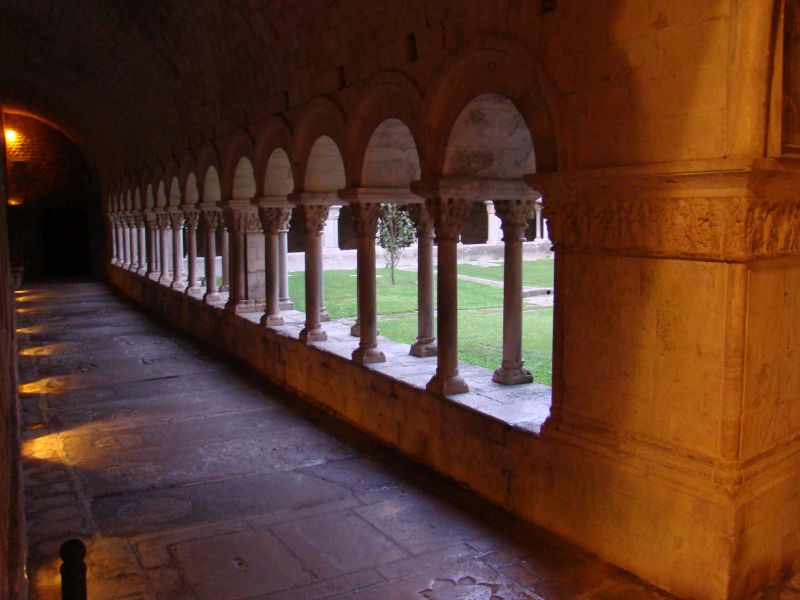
480, 316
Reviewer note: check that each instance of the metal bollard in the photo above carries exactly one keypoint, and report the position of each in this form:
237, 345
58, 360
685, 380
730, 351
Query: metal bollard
73, 570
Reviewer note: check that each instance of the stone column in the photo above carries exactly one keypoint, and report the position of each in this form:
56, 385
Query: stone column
237, 221
176, 221
126, 242
426, 342
112, 228
324, 317
492, 222
152, 258
537, 221
315, 215
284, 301
143, 259
514, 215
211, 221
192, 217
226, 260
331, 232
366, 220
134, 229
164, 233
273, 220
449, 216
120, 241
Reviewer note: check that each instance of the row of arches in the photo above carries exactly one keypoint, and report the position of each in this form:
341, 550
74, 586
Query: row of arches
395, 148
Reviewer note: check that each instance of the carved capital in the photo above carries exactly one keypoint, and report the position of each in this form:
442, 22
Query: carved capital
449, 216
315, 216
514, 216
162, 221
239, 221
365, 215
176, 220
139, 220
253, 223
421, 218
211, 219
150, 220
274, 220
192, 218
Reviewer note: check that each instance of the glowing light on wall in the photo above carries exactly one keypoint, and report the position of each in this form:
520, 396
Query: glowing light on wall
11, 136
14, 201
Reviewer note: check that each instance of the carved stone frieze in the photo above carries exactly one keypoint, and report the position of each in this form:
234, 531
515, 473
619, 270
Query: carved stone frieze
365, 217
421, 218
273, 219
449, 216
176, 220
192, 218
163, 221
253, 223
514, 216
736, 215
315, 216
211, 219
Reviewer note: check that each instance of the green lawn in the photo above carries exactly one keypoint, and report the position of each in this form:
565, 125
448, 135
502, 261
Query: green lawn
480, 331
480, 339
535, 273
340, 293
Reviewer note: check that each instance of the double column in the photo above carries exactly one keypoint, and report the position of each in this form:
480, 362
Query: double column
176, 222
211, 221
240, 217
514, 215
366, 213
151, 230
426, 341
142, 245
112, 226
449, 216
274, 214
314, 208
192, 218
164, 238
133, 241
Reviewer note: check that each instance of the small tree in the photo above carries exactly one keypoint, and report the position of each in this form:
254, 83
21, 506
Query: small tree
395, 234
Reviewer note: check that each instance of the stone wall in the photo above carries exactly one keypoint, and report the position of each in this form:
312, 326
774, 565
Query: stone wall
12, 528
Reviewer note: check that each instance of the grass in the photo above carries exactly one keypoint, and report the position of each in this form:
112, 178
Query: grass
535, 273
480, 338
340, 293
480, 320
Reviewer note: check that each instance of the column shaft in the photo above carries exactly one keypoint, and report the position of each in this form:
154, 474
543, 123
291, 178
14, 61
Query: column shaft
226, 261
366, 217
426, 342
449, 217
315, 216
285, 302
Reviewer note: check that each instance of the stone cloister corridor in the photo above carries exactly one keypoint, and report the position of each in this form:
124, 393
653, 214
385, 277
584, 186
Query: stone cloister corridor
190, 479
176, 157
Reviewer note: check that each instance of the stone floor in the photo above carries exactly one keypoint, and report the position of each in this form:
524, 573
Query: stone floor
189, 478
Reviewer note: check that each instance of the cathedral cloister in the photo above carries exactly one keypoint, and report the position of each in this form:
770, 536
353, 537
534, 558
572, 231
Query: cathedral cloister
168, 401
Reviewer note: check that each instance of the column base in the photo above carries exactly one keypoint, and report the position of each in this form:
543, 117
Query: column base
424, 348
368, 356
154, 276
133, 268
225, 287
272, 320
447, 385
316, 334
237, 308
167, 281
512, 376
194, 290
324, 317
142, 271
211, 297
355, 330
179, 285
285, 304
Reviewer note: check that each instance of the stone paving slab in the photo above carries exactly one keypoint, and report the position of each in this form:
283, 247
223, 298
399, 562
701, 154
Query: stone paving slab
190, 480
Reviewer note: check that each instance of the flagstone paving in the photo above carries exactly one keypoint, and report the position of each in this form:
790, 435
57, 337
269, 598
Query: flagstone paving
190, 478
